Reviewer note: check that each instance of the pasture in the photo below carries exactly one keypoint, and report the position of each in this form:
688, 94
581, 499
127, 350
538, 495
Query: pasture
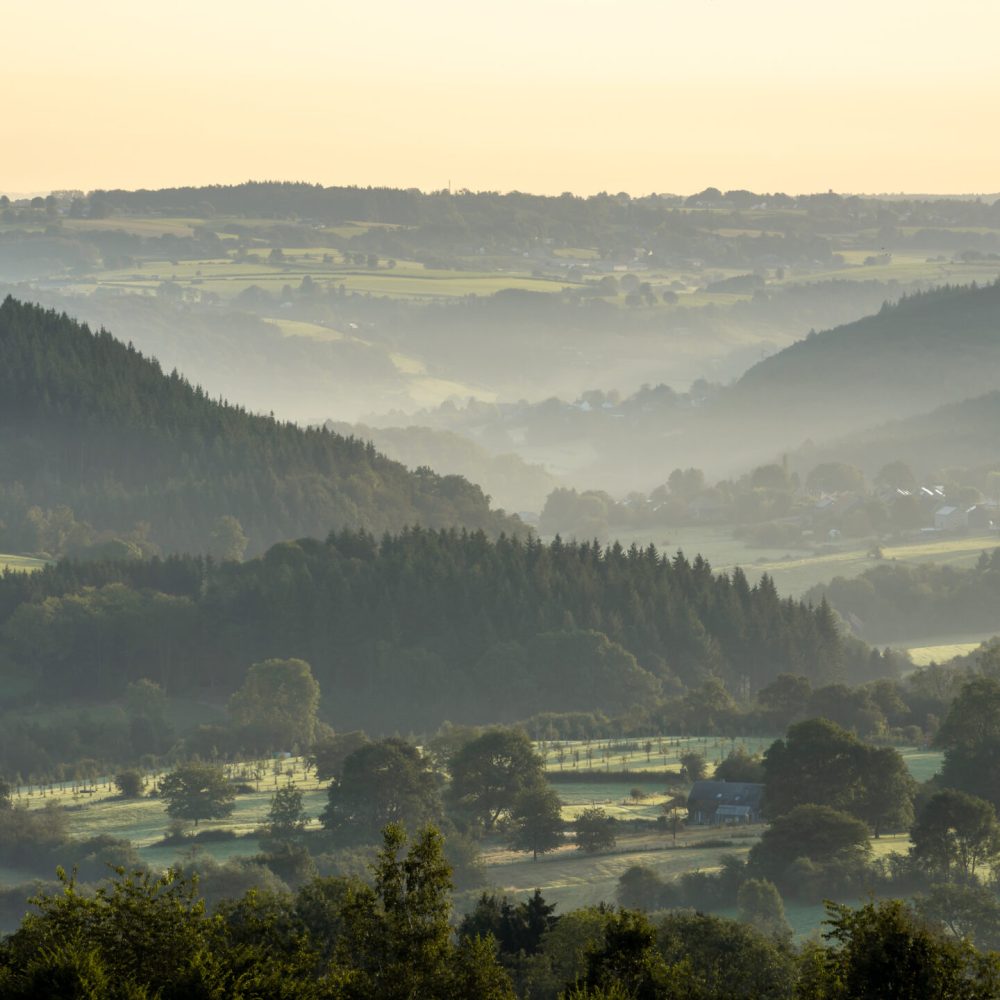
566, 876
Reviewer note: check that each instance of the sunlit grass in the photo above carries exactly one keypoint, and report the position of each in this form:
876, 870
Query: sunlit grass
298, 328
23, 564
922, 655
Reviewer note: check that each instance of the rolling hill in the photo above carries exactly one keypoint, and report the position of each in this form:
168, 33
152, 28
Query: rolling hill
957, 435
96, 440
930, 349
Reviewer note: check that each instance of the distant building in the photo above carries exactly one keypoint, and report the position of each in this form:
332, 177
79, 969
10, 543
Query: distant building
722, 803
984, 515
950, 518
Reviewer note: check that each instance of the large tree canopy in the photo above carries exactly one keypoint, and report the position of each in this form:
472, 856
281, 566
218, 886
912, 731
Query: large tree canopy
970, 738
490, 772
382, 783
276, 708
819, 763
196, 792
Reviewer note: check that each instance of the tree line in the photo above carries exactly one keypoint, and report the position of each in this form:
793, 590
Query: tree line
425, 626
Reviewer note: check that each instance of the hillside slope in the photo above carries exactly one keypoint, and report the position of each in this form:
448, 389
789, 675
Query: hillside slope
90, 423
957, 435
930, 349
512, 482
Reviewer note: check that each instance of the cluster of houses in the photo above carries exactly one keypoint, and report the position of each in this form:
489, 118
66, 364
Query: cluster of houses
946, 514
826, 514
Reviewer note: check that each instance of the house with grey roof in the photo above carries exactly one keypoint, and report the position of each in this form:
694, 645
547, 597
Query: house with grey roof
950, 518
723, 803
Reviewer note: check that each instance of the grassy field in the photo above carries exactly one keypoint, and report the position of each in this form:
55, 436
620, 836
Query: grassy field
796, 570
409, 279
314, 331
940, 649
573, 879
228, 276
20, 563
902, 267
566, 876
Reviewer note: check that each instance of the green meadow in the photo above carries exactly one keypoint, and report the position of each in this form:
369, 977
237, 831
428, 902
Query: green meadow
565, 876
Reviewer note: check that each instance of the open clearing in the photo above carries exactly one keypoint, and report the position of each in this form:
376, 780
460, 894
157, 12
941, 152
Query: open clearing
24, 564
941, 649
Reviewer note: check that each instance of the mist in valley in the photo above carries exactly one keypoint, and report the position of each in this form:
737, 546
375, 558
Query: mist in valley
581, 583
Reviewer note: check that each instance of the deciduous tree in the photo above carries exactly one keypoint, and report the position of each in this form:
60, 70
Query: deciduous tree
536, 820
490, 772
595, 830
196, 792
955, 834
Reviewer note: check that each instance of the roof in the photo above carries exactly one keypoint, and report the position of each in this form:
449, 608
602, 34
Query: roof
727, 793
738, 811
945, 511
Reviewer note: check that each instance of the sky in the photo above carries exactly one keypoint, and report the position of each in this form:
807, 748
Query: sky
532, 95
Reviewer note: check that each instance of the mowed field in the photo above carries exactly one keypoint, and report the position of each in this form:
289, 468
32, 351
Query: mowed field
573, 879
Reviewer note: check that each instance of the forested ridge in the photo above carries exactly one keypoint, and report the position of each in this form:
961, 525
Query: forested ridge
952, 436
929, 349
424, 626
89, 423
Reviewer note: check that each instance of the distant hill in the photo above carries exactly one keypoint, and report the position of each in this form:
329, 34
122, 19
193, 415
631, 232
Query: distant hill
958, 435
90, 424
510, 481
929, 349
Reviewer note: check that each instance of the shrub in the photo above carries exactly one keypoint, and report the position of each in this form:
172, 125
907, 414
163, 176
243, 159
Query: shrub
129, 784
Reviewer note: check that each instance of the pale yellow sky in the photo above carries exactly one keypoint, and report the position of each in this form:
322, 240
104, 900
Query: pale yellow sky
546, 96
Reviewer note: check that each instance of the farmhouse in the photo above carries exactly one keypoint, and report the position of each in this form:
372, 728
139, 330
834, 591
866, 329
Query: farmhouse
717, 803
984, 515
